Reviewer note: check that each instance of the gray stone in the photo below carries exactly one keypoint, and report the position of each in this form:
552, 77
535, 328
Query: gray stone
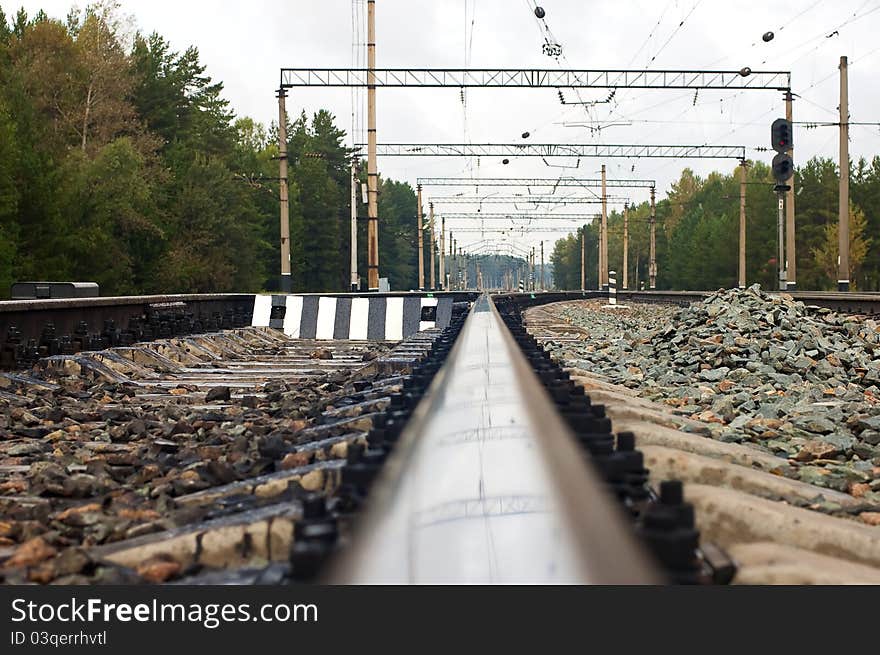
768, 410
714, 375
822, 477
725, 408
870, 436
840, 440
814, 423
869, 423
24, 449
218, 393
866, 451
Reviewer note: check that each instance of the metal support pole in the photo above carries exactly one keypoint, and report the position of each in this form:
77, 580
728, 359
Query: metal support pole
454, 260
603, 237
286, 280
372, 168
652, 260
843, 202
431, 241
451, 266
421, 238
355, 279
742, 225
781, 258
583, 258
532, 271
625, 244
443, 253
542, 266
790, 267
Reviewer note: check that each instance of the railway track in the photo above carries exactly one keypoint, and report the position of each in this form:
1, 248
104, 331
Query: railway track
188, 446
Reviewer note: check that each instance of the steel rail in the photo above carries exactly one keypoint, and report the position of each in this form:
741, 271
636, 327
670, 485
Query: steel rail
487, 485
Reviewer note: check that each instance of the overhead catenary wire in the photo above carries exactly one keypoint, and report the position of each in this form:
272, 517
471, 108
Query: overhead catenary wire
674, 32
853, 17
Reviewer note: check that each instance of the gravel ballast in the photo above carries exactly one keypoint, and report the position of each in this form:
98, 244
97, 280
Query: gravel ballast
796, 381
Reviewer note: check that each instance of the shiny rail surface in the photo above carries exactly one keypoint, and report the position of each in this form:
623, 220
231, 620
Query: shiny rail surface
487, 485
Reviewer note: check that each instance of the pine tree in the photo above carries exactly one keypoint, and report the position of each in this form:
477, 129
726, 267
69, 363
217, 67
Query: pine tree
826, 254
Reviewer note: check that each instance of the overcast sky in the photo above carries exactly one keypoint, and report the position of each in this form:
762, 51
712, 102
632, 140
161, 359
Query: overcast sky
244, 44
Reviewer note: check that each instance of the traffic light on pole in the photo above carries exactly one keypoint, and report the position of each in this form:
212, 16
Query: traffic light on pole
783, 168
780, 139
780, 135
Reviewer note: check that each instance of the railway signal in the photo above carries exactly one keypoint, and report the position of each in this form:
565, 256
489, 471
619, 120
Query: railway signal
781, 140
783, 169
780, 135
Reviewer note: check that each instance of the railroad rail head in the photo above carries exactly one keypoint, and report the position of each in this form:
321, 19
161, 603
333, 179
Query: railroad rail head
483, 475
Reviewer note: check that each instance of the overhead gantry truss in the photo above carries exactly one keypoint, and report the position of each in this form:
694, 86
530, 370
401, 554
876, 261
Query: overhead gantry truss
518, 216
535, 78
630, 151
520, 231
535, 182
525, 200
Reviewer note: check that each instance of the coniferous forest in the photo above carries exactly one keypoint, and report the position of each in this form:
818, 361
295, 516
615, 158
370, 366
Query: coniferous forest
697, 232
122, 163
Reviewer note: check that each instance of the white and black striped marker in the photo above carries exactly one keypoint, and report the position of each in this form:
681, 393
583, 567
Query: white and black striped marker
372, 318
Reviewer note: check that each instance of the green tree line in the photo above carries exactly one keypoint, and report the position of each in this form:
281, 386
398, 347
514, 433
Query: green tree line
697, 232
122, 163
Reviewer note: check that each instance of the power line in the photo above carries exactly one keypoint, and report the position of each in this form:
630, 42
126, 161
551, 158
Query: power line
674, 32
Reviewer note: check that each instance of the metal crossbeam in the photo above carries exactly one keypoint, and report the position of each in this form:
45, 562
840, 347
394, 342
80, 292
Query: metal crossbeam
536, 78
530, 200
557, 150
518, 216
517, 230
535, 182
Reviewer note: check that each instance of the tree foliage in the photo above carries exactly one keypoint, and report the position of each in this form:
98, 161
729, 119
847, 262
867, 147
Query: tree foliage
698, 232
122, 163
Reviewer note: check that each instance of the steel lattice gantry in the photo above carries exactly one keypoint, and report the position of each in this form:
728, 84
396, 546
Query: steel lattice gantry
525, 200
557, 150
535, 182
517, 216
535, 78
518, 230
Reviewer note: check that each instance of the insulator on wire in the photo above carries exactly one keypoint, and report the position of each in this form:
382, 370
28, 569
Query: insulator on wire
525, 135
745, 71
539, 12
505, 161
768, 36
